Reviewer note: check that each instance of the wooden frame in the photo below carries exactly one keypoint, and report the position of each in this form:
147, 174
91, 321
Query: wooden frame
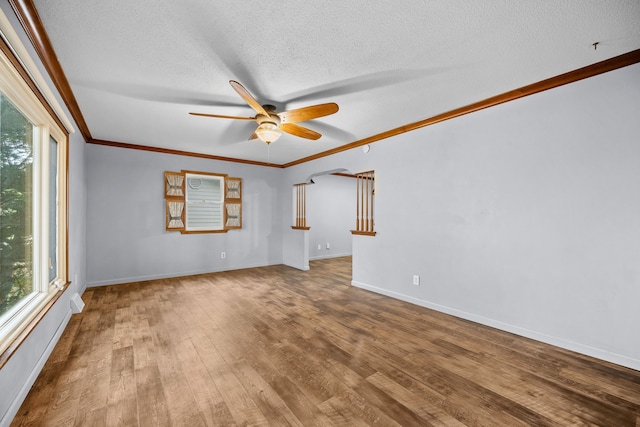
233, 203
175, 223
173, 189
175, 192
21, 80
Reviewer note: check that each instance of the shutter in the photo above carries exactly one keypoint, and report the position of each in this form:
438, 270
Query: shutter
233, 203
174, 206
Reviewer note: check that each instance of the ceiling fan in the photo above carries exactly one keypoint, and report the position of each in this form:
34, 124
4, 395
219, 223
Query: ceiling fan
272, 123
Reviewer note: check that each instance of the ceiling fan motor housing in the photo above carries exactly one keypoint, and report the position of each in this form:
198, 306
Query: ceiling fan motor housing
270, 117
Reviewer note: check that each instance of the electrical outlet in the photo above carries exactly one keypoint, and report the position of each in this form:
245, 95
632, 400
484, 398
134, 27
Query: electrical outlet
319, 246
223, 255
416, 280
328, 246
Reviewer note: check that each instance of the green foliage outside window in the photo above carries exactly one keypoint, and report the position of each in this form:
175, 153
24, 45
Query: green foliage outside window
16, 210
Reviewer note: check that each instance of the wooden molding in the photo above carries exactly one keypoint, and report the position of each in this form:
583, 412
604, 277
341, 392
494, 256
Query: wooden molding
224, 230
27, 79
363, 233
184, 171
300, 228
28, 16
346, 175
607, 65
179, 152
601, 67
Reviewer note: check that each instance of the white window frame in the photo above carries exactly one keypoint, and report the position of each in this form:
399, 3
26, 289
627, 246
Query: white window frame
19, 317
217, 202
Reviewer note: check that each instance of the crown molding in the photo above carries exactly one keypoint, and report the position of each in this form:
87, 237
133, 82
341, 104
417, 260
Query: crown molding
21, 60
607, 65
179, 152
28, 16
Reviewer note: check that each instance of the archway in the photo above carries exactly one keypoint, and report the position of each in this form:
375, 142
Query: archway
324, 207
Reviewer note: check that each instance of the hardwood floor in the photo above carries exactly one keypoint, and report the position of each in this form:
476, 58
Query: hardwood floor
278, 346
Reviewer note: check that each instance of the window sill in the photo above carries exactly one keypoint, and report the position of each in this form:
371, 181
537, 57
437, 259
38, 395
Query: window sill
203, 231
30, 326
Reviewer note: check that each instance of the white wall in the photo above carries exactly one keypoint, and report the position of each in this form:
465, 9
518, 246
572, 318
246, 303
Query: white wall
524, 216
354, 161
24, 366
22, 369
126, 237
331, 214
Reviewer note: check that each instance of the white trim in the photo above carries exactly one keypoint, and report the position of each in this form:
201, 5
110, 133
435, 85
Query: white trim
305, 268
124, 280
329, 256
192, 201
13, 40
17, 91
618, 359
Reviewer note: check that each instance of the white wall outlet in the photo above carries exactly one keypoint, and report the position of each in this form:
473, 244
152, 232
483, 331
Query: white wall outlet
319, 246
328, 246
223, 255
416, 280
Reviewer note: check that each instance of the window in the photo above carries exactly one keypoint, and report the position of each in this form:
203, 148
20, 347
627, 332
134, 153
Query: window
200, 202
16, 206
33, 164
204, 202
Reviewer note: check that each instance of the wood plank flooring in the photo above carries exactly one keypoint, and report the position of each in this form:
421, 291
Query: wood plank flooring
278, 346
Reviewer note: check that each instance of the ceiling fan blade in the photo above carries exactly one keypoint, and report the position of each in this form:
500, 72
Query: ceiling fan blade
247, 97
253, 136
300, 131
223, 117
308, 113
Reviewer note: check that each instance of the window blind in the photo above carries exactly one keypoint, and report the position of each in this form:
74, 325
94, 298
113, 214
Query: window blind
204, 203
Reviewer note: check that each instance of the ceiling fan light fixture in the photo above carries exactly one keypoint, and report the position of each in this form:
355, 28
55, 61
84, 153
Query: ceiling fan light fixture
268, 132
269, 120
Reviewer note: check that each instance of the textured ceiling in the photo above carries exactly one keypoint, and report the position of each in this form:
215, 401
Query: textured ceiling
137, 68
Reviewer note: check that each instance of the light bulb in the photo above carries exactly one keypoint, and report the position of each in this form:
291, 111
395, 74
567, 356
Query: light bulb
268, 132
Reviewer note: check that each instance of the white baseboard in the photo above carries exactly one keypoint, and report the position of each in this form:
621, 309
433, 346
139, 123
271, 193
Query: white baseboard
605, 355
328, 256
17, 402
123, 280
